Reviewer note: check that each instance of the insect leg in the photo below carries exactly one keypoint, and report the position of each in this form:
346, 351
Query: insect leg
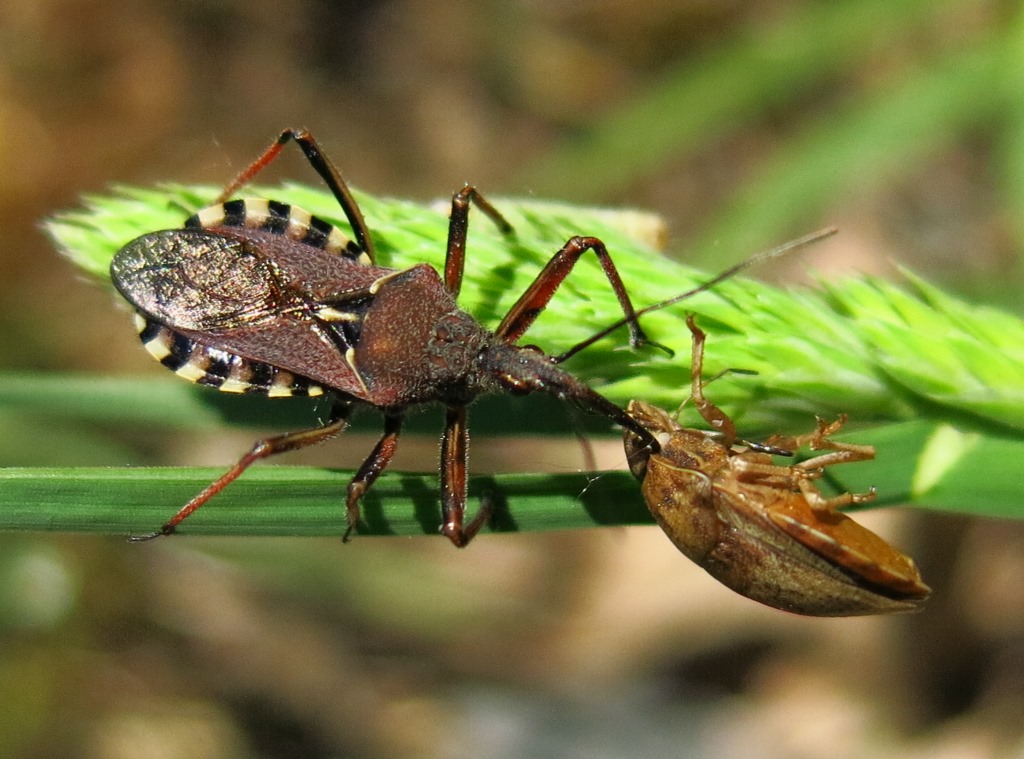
370, 470
803, 474
732, 271
262, 449
711, 413
327, 171
839, 453
458, 224
454, 452
818, 502
539, 294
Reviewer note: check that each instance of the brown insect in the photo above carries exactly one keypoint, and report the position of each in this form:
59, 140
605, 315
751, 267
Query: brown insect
763, 529
257, 296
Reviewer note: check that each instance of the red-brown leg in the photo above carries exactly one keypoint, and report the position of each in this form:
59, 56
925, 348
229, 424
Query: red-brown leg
271, 446
327, 171
454, 454
634, 315
371, 469
539, 294
458, 225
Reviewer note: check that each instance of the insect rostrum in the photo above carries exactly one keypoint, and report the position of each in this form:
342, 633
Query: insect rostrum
256, 296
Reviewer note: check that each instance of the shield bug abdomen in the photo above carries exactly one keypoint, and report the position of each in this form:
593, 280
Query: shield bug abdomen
762, 529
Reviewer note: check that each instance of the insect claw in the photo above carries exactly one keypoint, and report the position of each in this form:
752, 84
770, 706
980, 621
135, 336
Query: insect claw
826, 430
145, 538
350, 530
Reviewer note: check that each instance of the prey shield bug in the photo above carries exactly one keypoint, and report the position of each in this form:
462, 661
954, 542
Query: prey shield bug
762, 529
256, 296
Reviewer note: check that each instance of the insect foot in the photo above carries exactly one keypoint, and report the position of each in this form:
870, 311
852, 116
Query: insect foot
762, 529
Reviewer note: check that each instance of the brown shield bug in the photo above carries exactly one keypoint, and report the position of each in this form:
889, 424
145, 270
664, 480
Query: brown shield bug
257, 296
763, 529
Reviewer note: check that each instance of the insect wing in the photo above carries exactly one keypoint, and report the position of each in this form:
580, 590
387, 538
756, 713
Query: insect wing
850, 546
221, 291
195, 280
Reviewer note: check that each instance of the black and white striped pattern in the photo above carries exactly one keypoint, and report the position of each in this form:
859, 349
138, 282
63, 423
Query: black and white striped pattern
218, 368
279, 218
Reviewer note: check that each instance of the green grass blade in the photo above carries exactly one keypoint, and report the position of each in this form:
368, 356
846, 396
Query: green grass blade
814, 352
287, 500
948, 470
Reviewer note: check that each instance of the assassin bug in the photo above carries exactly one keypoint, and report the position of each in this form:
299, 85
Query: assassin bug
256, 296
762, 529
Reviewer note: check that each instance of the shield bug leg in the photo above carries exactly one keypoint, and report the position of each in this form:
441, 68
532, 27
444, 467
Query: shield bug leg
839, 453
813, 468
262, 449
371, 469
821, 504
713, 415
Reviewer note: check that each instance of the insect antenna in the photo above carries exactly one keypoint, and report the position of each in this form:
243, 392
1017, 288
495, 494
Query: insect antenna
758, 258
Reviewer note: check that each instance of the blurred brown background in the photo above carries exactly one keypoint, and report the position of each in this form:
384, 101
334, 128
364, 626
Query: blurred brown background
603, 644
